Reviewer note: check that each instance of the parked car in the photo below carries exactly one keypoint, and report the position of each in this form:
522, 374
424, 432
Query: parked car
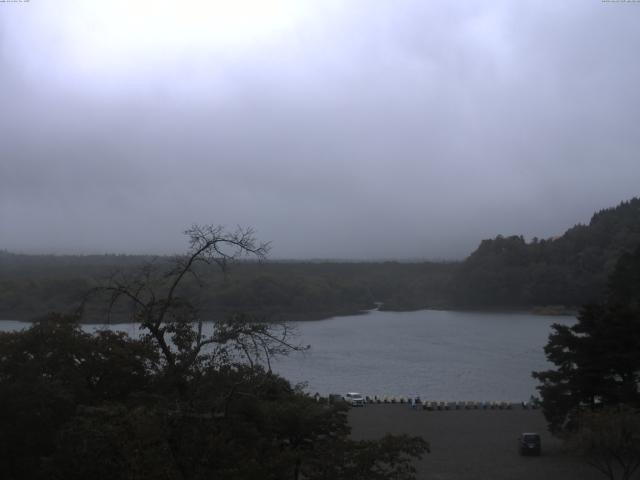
354, 399
335, 398
529, 444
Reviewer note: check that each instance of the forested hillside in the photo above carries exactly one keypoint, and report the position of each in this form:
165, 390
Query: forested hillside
570, 270
31, 286
506, 272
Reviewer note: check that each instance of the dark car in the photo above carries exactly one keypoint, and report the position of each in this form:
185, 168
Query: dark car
529, 444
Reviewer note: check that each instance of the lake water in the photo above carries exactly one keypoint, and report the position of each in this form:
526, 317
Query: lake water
439, 355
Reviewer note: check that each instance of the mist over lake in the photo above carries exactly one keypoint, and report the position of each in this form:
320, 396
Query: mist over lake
211, 212
439, 355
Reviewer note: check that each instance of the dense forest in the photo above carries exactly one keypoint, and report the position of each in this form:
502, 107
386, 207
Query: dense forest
569, 270
31, 286
506, 272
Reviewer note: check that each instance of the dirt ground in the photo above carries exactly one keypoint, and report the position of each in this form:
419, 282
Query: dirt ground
473, 444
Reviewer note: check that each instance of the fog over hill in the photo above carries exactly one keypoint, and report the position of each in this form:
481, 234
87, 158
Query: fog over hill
357, 129
554, 275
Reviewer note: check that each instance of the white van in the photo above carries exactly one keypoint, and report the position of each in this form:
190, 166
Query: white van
354, 399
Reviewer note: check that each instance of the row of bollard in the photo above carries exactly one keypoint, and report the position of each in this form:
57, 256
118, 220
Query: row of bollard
467, 406
433, 405
437, 405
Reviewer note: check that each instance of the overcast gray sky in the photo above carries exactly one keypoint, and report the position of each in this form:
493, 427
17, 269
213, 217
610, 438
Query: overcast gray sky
361, 129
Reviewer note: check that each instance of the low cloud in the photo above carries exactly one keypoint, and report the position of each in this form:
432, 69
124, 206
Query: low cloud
344, 130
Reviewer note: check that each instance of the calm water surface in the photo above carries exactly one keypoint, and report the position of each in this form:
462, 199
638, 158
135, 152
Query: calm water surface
439, 355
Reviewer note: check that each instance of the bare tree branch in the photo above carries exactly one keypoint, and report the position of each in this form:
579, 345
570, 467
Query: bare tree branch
174, 323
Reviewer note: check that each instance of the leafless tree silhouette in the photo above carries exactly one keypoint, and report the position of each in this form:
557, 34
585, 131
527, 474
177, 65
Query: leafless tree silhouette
173, 322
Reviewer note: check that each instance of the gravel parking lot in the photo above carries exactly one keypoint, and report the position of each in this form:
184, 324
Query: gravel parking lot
473, 444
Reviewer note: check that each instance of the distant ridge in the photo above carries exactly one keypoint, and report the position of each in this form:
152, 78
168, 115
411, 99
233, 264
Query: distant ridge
506, 273
568, 270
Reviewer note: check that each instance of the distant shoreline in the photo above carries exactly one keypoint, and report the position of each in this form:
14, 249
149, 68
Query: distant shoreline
551, 311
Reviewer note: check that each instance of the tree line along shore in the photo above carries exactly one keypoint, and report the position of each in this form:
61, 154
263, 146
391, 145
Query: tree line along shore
547, 276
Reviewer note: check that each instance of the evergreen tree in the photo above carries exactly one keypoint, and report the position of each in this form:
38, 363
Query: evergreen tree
597, 359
